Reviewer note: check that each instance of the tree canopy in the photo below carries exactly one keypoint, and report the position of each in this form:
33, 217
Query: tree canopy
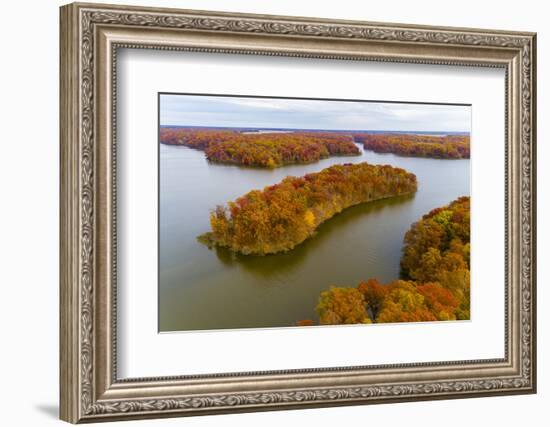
269, 150
435, 276
415, 145
281, 216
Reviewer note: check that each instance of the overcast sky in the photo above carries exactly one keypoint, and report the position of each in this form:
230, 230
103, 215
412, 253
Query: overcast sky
193, 110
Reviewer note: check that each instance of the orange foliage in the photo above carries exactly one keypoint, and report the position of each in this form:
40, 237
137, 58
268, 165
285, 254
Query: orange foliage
339, 306
437, 249
404, 303
408, 301
374, 293
261, 149
439, 300
415, 145
305, 322
436, 266
284, 215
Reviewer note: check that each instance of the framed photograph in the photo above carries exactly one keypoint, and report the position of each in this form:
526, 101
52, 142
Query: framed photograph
266, 212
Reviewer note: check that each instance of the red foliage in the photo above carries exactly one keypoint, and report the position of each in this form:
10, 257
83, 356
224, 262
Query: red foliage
305, 322
374, 293
261, 149
284, 215
435, 263
439, 300
415, 145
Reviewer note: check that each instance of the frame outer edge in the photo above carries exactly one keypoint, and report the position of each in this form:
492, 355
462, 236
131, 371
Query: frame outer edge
305, 19
69, 354
77, 227
533, 209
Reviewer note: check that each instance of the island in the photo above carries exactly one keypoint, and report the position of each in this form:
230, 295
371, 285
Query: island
261, 149
281, 216
434, 283
416, 144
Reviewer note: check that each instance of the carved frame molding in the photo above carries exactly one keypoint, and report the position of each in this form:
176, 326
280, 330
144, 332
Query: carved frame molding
90, 37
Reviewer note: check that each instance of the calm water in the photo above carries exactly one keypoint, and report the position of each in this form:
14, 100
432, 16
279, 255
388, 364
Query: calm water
214, 289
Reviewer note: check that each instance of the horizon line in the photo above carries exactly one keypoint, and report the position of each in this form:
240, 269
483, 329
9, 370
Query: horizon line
312, 129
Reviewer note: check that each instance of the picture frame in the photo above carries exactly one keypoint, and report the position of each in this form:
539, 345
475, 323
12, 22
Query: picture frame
91, 35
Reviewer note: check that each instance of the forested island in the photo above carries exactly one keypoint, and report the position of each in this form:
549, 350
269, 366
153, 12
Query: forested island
261, 149
281, 216
417, 145
435, 277
273, 149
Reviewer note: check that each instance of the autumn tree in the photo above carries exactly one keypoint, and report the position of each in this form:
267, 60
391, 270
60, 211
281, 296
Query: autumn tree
339, 306
374, 294
281, 216
269, 150
437, 249
404, 303
435, 268
439, 300
305, 322
415, 145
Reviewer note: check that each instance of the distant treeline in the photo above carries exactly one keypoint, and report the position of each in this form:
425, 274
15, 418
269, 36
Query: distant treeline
269, 150
281, 216
415, 145
435, 272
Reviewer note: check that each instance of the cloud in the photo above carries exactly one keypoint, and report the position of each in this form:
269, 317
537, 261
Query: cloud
207, 110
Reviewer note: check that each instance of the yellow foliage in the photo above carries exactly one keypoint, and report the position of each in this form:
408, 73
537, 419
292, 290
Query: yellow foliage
281, 216
309, 218
339, 306
436, 258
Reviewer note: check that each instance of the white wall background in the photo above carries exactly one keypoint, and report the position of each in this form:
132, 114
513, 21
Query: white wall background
29, 170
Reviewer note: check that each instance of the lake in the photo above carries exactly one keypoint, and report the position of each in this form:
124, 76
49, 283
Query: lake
203, 288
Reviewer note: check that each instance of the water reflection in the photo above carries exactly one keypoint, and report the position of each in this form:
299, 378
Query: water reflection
270, 265
216, 289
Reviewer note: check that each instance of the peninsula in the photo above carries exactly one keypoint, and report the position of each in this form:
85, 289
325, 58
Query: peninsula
281, 216
261, 149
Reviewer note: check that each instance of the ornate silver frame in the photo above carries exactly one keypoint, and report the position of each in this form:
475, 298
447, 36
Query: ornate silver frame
90, 36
